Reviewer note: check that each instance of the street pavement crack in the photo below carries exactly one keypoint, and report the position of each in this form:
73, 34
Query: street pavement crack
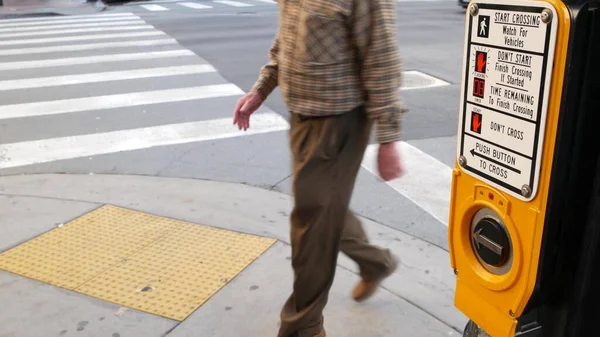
279, 182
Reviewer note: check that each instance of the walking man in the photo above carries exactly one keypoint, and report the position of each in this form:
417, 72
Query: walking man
482, 27
338, 67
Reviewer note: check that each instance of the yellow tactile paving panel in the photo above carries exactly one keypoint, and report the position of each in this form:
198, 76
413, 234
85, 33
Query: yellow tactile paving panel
158, 265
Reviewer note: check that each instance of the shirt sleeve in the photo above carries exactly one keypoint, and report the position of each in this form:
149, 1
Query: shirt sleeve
374, 35
268, 78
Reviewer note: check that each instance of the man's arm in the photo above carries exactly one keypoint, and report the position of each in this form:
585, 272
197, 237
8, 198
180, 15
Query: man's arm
268, 78
374, 34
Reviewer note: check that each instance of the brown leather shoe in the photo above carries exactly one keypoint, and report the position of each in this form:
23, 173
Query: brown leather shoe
366, 289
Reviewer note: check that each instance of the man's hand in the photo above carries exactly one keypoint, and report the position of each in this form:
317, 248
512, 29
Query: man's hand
245, 106
388, 162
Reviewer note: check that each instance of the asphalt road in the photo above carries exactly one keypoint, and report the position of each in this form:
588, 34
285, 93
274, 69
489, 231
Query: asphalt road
127, 106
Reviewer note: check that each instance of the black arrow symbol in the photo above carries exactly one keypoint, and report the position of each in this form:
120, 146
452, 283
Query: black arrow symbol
476, 154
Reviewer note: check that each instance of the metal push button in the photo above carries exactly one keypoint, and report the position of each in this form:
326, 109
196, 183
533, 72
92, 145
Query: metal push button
491, 242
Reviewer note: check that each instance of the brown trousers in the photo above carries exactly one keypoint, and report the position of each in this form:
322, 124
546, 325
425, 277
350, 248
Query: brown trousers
327, 154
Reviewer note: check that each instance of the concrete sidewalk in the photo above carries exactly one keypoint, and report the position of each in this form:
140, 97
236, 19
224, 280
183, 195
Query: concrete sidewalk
416, 301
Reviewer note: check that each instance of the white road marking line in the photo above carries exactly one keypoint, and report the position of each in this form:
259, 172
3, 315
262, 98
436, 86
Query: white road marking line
427, 181
434, 81
68, 21
154, 8
81, 30
70, 61
89, 46
78, 25
193, 5
81, 38
49, 150
233, 3
105, 76
156, 1
59, 18
117, 101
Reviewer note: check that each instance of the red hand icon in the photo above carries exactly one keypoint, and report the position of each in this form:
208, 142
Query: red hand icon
480, 62
476, 123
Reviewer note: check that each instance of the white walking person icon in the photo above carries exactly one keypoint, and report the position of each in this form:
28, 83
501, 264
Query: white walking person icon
482, 26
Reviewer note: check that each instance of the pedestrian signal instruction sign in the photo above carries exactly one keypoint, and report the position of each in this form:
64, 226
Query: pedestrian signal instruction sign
507, 65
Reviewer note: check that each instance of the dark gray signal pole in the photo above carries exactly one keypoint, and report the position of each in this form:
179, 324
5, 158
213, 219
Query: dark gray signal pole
565, 298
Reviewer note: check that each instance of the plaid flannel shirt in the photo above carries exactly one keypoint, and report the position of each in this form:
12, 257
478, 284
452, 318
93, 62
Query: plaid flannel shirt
330, 56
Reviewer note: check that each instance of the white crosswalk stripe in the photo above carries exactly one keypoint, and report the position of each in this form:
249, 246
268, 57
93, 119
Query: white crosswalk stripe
233, 3
204, 5
70, 61
154, 7
48, 23
104, 77
86, 46
64, 26
35, 152
81, 38
68, 31
117, 101
45, 20
193, 5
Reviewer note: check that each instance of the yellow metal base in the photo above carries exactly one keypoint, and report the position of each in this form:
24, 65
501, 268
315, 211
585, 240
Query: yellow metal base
154, 264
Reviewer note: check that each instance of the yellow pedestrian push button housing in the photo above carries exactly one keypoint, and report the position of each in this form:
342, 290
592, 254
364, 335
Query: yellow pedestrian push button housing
512, 79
